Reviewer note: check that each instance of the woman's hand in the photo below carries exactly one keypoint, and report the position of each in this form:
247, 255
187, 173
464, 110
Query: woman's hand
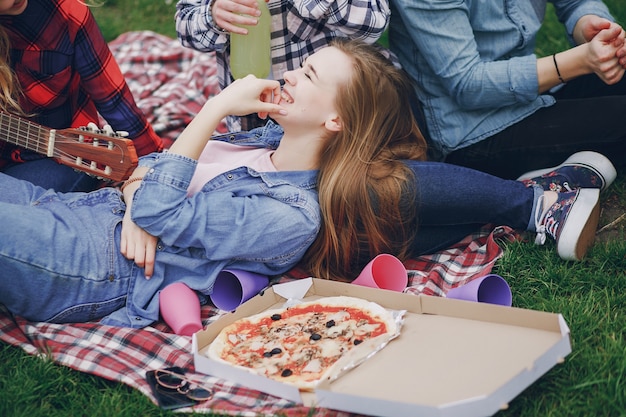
138, 245
245, 96
230, 15
249, 95
603, 54
588, 26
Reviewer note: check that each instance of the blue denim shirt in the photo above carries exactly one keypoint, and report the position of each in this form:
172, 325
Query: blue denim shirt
256, 221
473, 61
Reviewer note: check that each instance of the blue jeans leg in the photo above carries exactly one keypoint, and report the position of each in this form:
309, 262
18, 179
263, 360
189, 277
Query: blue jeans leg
59, 258
454, 201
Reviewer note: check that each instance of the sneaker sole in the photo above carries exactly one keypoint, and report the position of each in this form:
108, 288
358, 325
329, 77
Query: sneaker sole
579, 230
595, 161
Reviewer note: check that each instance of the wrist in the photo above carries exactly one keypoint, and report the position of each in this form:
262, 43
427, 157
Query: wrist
558, 71
578, 33
574, 62
130, 181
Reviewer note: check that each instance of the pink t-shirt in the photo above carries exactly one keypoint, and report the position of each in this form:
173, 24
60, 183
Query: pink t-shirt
219, 157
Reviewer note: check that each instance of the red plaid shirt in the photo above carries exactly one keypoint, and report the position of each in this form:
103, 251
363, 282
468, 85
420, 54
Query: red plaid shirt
68, 75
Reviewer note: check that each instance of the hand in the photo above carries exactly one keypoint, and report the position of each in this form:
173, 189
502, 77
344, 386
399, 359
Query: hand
603, 54
589, 26
250, 95
230, 15
138, 245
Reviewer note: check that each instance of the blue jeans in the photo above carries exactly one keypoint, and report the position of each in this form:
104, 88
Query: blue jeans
61, 258
455, 201
47, 173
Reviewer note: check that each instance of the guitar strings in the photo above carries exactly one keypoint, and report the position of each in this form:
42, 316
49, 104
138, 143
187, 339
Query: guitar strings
37, 136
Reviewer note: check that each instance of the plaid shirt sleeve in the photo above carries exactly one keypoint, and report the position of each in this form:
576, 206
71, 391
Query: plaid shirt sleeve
195, 28
102, 79
67, 73
358, 19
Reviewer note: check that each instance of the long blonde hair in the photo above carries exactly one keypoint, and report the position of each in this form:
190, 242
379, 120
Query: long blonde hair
9, 86
366, 193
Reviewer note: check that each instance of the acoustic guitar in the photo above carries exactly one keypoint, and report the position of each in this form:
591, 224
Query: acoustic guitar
100, 154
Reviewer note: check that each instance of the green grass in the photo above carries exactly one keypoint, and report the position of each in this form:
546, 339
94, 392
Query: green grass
591, 295
118, 16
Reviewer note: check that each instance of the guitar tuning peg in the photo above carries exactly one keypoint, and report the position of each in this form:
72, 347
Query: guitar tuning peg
92, 127
107, 129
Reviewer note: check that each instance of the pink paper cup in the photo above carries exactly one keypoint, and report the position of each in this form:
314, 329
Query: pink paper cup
385, 272
491, 289
180, 308
234, 287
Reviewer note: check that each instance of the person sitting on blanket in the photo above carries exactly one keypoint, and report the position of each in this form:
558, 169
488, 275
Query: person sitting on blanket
57, 70
249, 201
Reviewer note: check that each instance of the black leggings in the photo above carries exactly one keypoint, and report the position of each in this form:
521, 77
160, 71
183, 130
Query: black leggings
587, 115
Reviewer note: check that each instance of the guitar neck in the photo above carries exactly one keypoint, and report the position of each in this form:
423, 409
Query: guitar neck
24, 133
107, 156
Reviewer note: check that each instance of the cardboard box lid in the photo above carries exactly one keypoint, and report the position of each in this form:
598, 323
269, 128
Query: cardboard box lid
453, 358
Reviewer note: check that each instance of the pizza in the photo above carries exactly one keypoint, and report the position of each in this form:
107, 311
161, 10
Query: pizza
301, 344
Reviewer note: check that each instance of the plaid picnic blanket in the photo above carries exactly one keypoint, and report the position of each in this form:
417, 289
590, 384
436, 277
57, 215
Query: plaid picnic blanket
124, 355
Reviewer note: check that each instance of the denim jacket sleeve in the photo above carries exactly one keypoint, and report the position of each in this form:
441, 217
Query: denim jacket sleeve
478, 66
224, 222
444, 32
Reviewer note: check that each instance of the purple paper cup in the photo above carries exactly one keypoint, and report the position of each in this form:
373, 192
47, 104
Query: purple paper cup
180, 309
491, 289
384, 271
234, 287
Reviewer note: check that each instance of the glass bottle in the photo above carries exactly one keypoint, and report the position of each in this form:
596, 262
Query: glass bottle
250, 54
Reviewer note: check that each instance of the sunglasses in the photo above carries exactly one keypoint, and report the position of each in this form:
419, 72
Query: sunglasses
178, 382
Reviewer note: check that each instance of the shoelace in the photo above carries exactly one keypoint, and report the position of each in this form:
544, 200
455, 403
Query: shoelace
566, 186
540, 227
545, 224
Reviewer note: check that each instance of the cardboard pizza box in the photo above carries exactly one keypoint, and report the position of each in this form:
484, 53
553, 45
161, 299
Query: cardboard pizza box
452, 358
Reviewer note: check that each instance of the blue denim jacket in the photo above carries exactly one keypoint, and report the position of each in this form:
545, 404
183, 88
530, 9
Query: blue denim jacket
243, 219
473, 61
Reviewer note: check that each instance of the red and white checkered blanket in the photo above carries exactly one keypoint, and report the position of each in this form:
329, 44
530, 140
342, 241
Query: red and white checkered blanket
170, 84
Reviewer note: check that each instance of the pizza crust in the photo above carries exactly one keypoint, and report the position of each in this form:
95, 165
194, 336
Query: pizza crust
272, 348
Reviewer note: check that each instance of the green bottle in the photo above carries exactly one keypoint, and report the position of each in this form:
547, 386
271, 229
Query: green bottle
250, 54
